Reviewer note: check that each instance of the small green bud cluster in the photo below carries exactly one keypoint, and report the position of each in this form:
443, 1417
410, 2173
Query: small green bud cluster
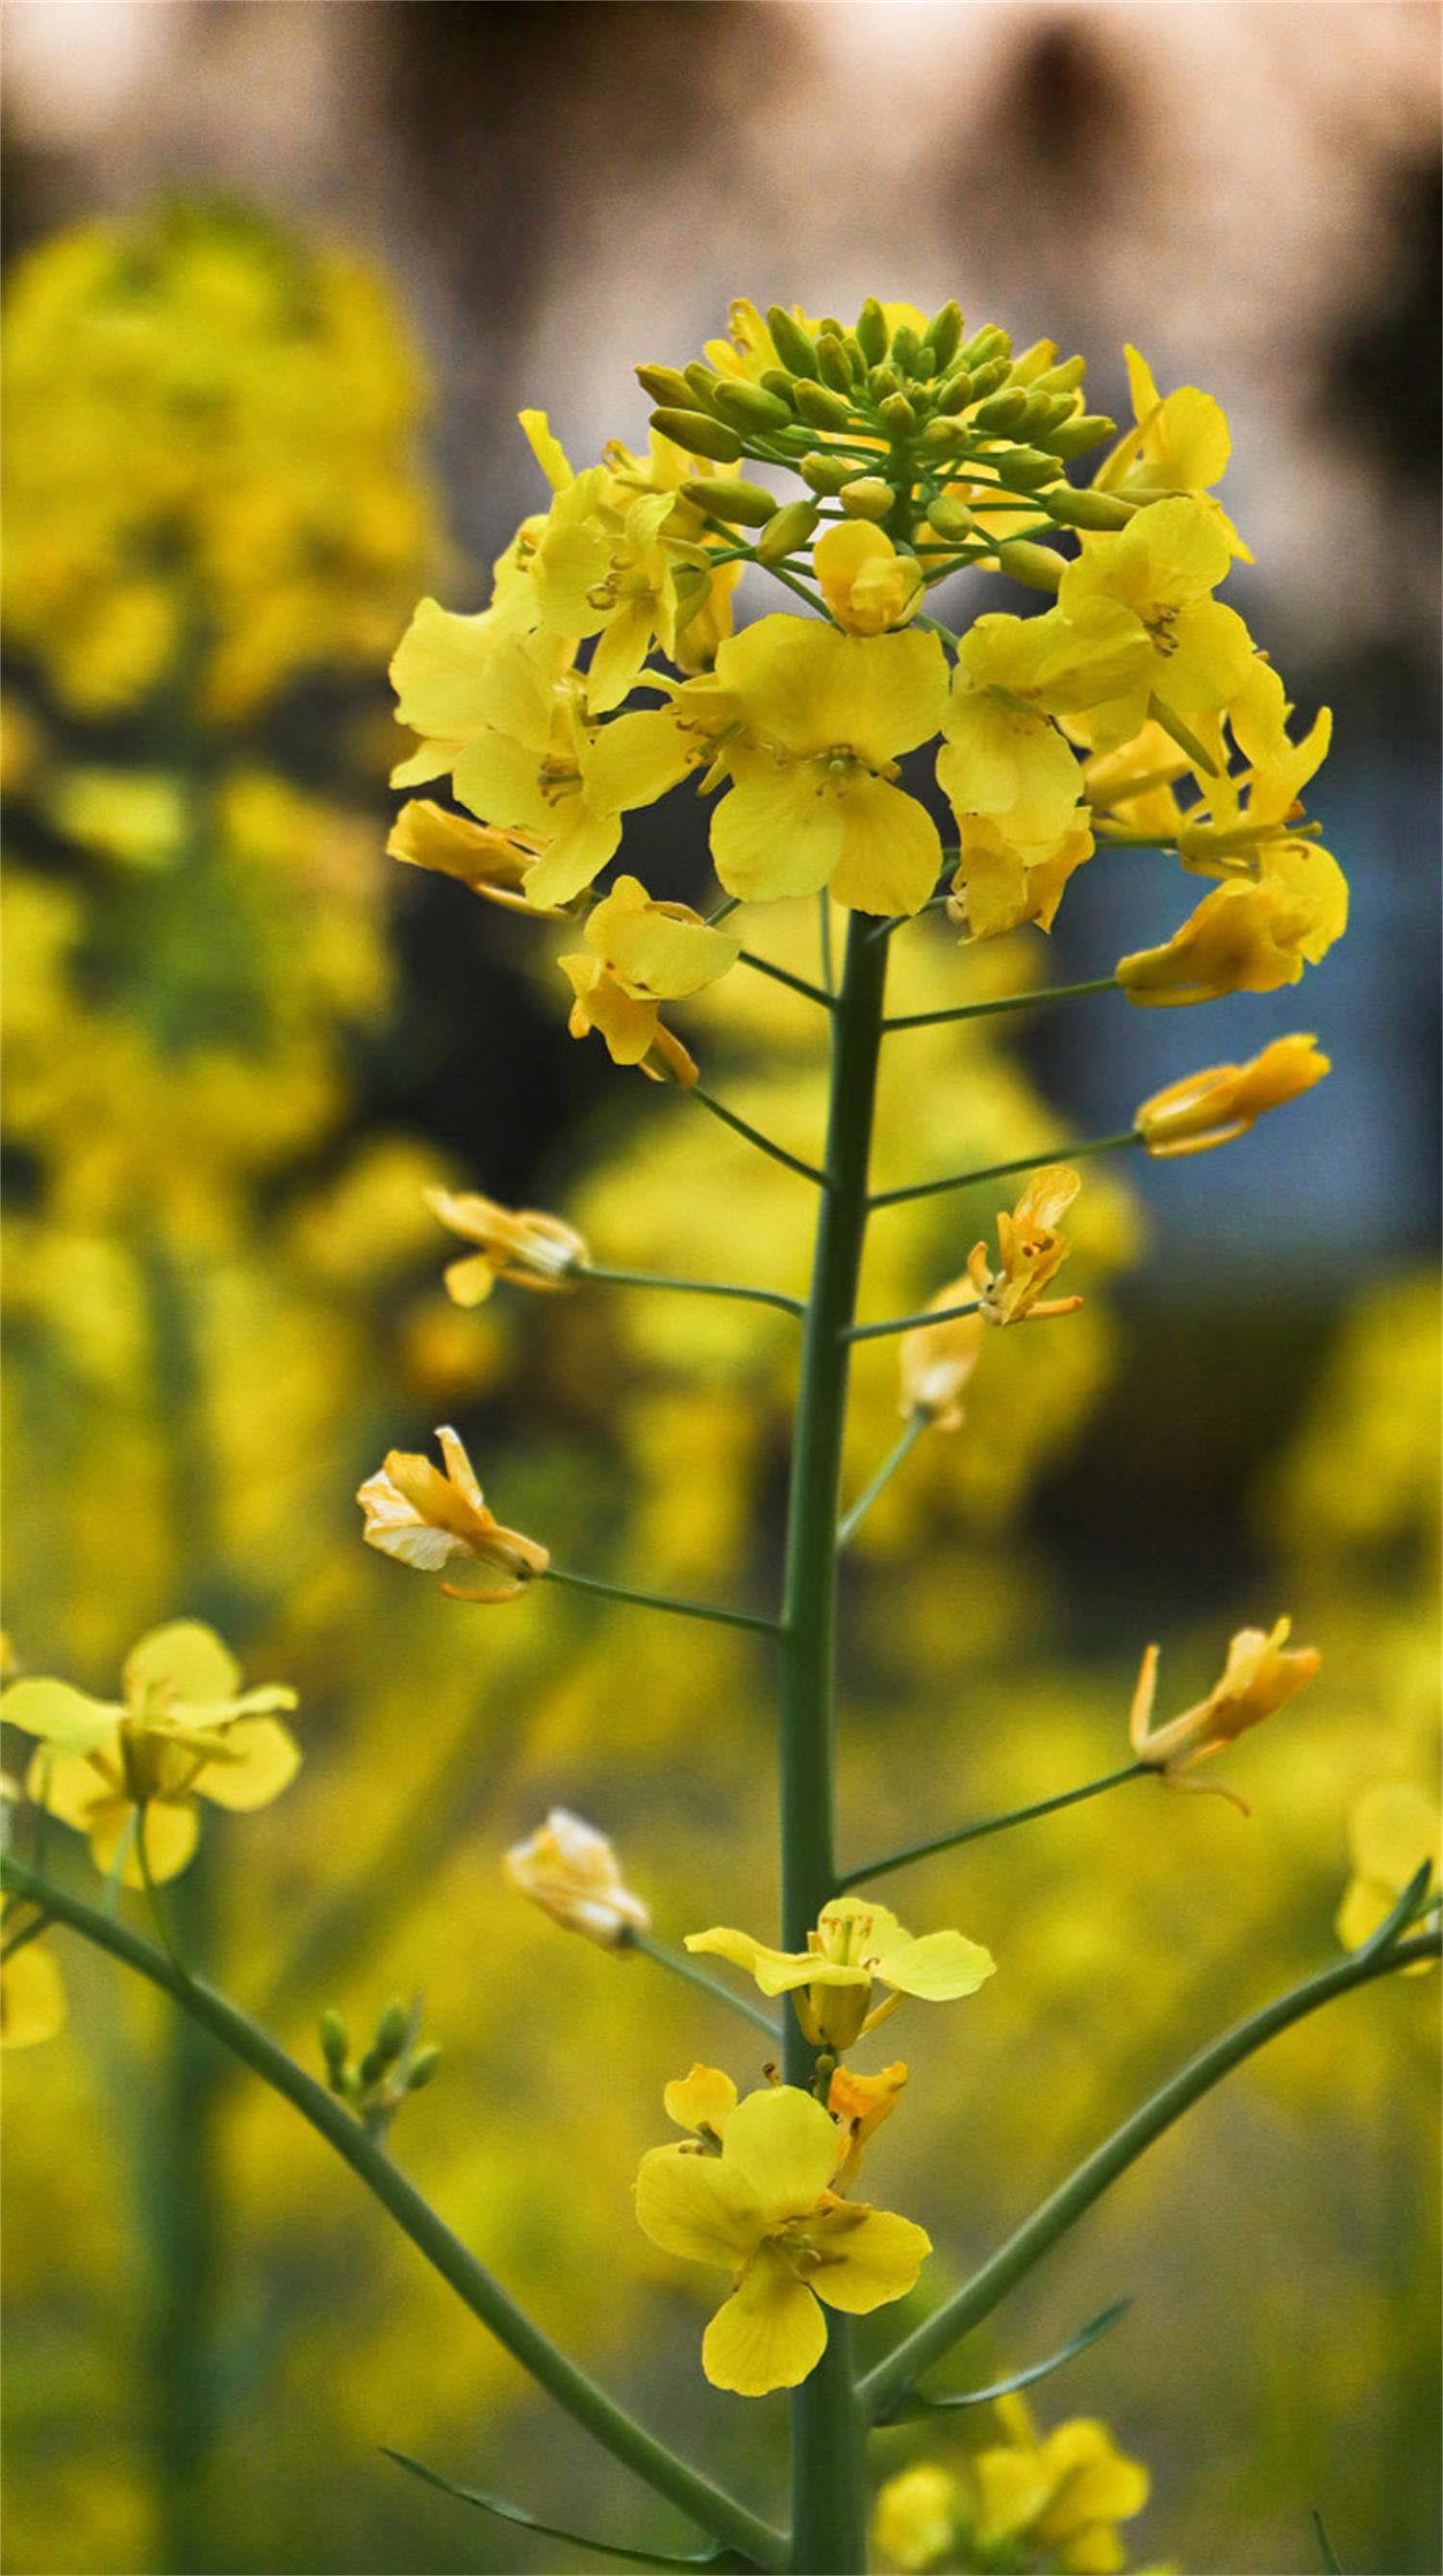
871, 415
387, 2071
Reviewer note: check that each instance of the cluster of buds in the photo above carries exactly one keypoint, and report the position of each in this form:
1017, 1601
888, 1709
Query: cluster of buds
378, 2082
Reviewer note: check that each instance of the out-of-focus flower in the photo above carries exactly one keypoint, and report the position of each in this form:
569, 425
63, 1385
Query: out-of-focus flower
570, 1870
1163, 568
763, 2207
1179, 443
815, 723
32, 1991
1247, 937
1030, 1252
488, 861
936, 1360
1392, 1831
643, 954
520, 1244
1062, 2496
425, 1518
919, 2517
1225, 1100
856, 1944
1258, 1677
866, 584
184, 1728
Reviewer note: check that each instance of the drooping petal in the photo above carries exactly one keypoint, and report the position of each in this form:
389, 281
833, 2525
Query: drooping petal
776, 1971
869, 2256
59, 1715
261, 1758
705, 2099
769, 2334
696, 2206
584, 841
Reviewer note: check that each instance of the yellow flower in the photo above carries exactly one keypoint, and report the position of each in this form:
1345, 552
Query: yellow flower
919, 2517
855, 1945
1224, 1101
815, 723
1031, 1252
183, 1729
1004, 758
1179, 443
1246, 937
1162, 567
1064, 2496
643, 953
414, 1512
570, 1870
32, 1993
490, 862
763, 2208
1000, 883
859, 2104
937, 1360
1257, 1678
521, 1244
1392, 1830
1242, 816
866, 584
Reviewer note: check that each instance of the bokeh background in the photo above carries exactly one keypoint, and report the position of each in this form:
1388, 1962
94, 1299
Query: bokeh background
279, 278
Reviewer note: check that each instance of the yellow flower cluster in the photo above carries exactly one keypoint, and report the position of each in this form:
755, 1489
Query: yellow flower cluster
1028, 2501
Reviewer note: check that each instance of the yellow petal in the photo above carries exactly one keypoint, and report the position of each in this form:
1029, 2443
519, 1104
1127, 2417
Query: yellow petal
182, 1661
547, 449
779, 831
68, 1718
694, 2206
437, 672
869, 2256
261, 1758
635, 759
1393, 1829
784, 2148
705, 2099
777, 1972
469, 1282
1367, 1902
32, 1997
69, 1786
584, 841
769, 2334
939, 1967
170, 1829
498, 778
891, 854
1012, 2489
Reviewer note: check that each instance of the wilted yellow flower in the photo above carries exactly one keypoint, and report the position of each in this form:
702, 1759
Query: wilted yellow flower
1392, 1831
183, 1729
1246, 937
1163, 567
570, 1870
414, 1512
763, 2208
521, 1244
643, 953
1179, 443
855, 1945
1064, 2495
490, 862
1031, 1252
936, 1360
866, 584
1000, 883
1225, 1100
815, 723
1257, 1678
919, 2517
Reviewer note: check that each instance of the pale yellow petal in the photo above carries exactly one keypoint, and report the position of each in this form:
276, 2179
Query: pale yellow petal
769, 2334
261, 1758
784, 2148
437, 672
1393, 1829
778, 832
32, 1997
182, 1661
705, 2099
869, 2257
68, 1718
693, 2205
938, 1968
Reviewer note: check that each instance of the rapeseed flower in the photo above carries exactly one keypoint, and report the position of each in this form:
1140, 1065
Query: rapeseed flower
760, 2204
920, 2517
856, 1944
1258, 1677
481, 857
1179, 442
570, 1870
1162, 568
1392, 1831
183, 1729
1225, 1100
1062, 2495
524, 1245
999, 883
1246, 936
1030, 1252
867, 585
642, 954
425, 1518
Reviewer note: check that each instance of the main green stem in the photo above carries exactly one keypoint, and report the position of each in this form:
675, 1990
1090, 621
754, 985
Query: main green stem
828, 2535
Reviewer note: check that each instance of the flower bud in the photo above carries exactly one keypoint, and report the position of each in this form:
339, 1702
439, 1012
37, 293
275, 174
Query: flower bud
778, 381
943, 437
872, 331
906, 351
1073, 437
1023, 468
794, 345
747, 407
853, 353
666, 385
882, 381
1002, 412
699, 434
821, 406
1043, 411
898, 416
943, 334
1063, 379
988, 343
422, 2068
1074, 509
868, 498
825, 474
791, 527
951, 518
743, 505
392, 2032
955, 391
334, 2044
987, 376
832, 365
703, 382
570, 1870
1036, 567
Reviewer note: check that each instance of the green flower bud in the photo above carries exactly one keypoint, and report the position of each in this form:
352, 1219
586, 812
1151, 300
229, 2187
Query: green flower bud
392, 2032
1074, 509
829, 328
855, 356
868, 498
743, 505
882, 381
703, 382
747, 407
823, 408
988, 343
776, 380
906, 351
1023, 468
1036, 567
1044, 411
665, 385
832, 363
793, 344
872, 331
896, 414
1002, 412
952, 519
955, 391
943, 437
334, 2043
699, 435
943, 334
789, 528
825, 474
1030, 363
421, 2069
1073, 437
1064, 379
989, 375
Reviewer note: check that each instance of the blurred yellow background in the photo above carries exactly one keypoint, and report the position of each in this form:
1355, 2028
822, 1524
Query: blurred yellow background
281, 278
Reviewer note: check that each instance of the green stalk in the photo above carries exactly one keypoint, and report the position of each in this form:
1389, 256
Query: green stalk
828, 2511
609, 2423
